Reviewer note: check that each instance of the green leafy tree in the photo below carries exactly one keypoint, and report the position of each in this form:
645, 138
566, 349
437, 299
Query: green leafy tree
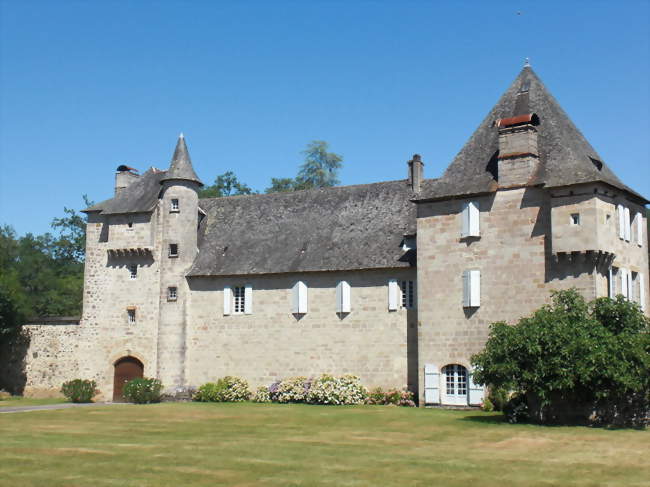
71, 241
573, 361
320, 170
225, 184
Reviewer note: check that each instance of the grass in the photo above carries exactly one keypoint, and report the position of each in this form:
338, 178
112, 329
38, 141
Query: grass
17, 401
299, 445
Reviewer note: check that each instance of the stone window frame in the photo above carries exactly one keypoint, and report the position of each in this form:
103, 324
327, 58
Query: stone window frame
174, 206
173, 250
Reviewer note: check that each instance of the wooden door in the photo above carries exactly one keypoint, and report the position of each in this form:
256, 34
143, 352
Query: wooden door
126, 369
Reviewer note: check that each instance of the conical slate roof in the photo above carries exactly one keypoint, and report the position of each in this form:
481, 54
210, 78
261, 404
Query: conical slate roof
181, 165
565, 156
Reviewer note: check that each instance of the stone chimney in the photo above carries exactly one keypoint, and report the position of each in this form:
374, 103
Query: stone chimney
416, 172
124, 176
518, 151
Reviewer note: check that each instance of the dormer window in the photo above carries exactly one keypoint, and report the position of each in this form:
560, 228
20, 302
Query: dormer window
129, 225
173, 250
174, 206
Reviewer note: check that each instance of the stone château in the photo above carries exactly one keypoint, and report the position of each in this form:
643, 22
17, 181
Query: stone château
396, 282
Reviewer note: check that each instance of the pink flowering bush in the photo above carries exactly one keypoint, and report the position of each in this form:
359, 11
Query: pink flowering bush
392, 397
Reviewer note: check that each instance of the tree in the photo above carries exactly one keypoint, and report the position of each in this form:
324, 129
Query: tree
225, 184
320, 170
71, 242
573, 361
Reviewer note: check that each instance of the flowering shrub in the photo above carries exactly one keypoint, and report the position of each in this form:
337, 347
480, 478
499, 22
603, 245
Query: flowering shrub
143, 391
390, 397
328, 389
294, 389
79, 390
226, 389
262, 395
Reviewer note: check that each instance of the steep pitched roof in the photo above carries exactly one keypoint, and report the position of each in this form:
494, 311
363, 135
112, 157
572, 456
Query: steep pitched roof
140, 196
181, 164
342, 228
565, 156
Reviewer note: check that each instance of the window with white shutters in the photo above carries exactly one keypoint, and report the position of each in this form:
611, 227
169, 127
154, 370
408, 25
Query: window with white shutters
239, 299
625, 282
639, 228
470, 220
472, 288
393, 294
634, 287
407, 291
620, 210
641, 291
628, 224
343, 297
299, 298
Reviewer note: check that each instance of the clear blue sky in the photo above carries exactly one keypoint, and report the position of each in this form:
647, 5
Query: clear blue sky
86, 86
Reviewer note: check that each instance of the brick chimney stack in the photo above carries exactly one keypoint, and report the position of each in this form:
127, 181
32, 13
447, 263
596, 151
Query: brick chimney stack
518, 150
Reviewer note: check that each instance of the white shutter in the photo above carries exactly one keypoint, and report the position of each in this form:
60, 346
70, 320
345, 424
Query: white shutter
641, 291
639, 228
466, 289
475, 284
621, 221
248, 299
431, 384
476, 392
299, 297
474, 214
465, 220
343, 297
227, 300
628, 226
393, 294
624, 278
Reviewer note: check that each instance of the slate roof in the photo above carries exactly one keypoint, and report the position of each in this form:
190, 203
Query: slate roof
565, 156
181, 164
139, 197
330, 229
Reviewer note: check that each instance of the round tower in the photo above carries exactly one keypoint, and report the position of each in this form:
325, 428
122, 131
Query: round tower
178, 219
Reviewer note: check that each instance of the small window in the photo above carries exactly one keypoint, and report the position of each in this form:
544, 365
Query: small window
575, 218
239, 299
173, 250
129, 226
131, 315
174, 205
133, 271
172, 294
408, 294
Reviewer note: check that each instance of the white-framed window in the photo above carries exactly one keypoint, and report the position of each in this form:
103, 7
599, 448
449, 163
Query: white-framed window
407, 291
454, 387
130, 314
239, 299
634, 286
638, 228
172, 293
612, 276
133, 271
624, 223
343, 297
299, 298
625, 282
470, 216
173, 250
575, 219
174, 206
472, 288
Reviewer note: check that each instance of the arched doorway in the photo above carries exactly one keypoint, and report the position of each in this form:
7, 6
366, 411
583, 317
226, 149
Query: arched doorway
126, 369
454, 385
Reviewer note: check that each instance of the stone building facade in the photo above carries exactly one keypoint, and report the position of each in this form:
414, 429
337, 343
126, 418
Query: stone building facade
396, 282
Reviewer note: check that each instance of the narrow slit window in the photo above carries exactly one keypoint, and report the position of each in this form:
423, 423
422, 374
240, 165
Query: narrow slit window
575, 218
131, 315
173, 250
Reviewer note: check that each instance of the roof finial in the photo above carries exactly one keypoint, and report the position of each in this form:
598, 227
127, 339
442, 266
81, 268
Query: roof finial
526, 63
181, 136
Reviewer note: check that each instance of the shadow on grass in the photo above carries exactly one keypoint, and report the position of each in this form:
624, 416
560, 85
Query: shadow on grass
485, 419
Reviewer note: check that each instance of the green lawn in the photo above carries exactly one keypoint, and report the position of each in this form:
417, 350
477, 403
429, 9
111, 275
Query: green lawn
291, 445
16, 401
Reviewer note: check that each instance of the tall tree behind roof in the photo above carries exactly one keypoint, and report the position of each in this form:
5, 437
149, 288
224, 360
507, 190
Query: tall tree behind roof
320, 169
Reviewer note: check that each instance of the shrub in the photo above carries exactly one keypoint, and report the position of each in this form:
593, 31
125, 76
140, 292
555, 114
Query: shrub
79, 390
390, 397
498, 396
516, 409
262, 394
487, 405
226, 389
328, 389
574, 362
143, 391
291, 390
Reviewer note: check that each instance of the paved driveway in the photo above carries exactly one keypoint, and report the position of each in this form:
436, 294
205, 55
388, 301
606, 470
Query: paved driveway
66, 405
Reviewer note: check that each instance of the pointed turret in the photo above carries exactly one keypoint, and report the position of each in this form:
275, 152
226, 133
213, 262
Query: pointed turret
181, 164
527, 121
